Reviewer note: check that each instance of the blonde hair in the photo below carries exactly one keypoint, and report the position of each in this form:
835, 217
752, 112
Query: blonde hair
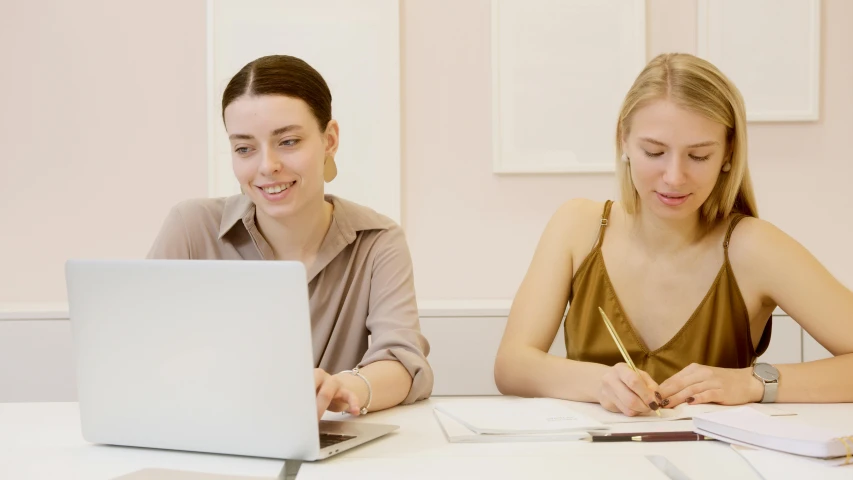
698, 86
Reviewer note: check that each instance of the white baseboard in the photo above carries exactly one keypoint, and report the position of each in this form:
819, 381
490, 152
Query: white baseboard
35, 347
34, 311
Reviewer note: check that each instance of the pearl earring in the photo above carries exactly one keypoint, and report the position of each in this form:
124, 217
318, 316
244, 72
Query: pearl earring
727, 167
625, 158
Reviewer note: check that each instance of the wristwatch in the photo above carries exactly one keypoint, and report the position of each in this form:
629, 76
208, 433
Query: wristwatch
769, 376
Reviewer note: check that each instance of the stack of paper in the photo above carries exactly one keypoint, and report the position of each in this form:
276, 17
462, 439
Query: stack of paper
506, 419
750, 428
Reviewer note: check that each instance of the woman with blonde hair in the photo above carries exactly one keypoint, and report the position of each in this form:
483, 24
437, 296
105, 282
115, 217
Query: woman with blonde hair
682, 265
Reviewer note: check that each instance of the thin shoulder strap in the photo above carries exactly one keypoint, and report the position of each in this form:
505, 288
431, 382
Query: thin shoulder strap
605, 219
737, 218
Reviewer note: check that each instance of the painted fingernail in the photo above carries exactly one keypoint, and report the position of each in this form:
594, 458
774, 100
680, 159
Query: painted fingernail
654, 405
657, 395
665, 402
690, 399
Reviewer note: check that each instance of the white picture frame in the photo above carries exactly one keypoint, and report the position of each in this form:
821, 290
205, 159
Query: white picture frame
356, 48
770, 49
554, 100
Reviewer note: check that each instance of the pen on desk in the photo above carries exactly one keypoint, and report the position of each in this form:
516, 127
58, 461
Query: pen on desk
620, 346
650, 437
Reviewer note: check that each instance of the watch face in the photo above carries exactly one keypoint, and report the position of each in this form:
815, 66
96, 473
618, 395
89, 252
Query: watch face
767, 372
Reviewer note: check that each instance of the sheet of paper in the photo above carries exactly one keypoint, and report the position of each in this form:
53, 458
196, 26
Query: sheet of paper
681, 412
455, 432
635, 467
503, 415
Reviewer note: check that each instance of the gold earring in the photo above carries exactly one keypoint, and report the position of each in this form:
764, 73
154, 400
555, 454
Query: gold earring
330, 169
727, 167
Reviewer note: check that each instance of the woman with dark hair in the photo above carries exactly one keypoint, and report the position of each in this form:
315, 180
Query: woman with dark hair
277, 112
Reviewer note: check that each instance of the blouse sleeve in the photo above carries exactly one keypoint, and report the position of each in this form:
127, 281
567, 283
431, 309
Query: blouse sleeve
392, 317
173, 242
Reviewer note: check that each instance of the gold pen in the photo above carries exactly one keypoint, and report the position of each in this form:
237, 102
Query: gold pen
621, 347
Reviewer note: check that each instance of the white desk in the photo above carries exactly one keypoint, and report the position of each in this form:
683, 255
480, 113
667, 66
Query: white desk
43, 441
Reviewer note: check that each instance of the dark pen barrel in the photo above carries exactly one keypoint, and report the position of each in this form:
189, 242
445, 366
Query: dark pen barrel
654, 437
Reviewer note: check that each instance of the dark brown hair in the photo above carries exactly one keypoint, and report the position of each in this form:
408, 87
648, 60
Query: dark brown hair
282, 75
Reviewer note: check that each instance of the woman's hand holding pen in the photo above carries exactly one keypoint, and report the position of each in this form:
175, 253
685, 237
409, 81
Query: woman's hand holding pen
703, 384
623, 390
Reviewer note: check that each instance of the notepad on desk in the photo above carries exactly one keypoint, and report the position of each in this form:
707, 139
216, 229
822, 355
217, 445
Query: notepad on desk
513, 419
750, 428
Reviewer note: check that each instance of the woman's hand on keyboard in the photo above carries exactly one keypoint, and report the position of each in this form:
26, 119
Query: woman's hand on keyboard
332, 395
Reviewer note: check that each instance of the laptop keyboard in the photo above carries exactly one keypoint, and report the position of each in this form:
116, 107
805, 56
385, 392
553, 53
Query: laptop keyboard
329, 439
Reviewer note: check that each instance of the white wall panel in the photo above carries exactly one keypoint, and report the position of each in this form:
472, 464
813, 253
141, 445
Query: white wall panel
770, 49
356, 47
560, 70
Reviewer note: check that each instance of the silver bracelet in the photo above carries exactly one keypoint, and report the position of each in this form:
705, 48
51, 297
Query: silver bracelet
354, 371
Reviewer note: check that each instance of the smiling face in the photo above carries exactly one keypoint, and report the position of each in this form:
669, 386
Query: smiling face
675, 158
278, 152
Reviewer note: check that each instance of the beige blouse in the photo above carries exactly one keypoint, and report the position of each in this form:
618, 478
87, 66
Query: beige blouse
360, 284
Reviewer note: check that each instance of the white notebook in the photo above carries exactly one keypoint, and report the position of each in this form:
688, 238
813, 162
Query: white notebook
512, 415
746, 426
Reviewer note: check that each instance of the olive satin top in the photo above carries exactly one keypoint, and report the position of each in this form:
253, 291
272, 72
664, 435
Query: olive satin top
716, 334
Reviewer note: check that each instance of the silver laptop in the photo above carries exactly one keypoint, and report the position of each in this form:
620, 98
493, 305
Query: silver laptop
200, 355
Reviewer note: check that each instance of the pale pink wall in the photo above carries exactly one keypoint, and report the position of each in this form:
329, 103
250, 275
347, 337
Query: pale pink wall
102, 128
803, 172
670, 26
472, 233
117, 90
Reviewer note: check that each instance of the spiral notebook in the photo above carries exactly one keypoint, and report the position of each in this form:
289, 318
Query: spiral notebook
748, 427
